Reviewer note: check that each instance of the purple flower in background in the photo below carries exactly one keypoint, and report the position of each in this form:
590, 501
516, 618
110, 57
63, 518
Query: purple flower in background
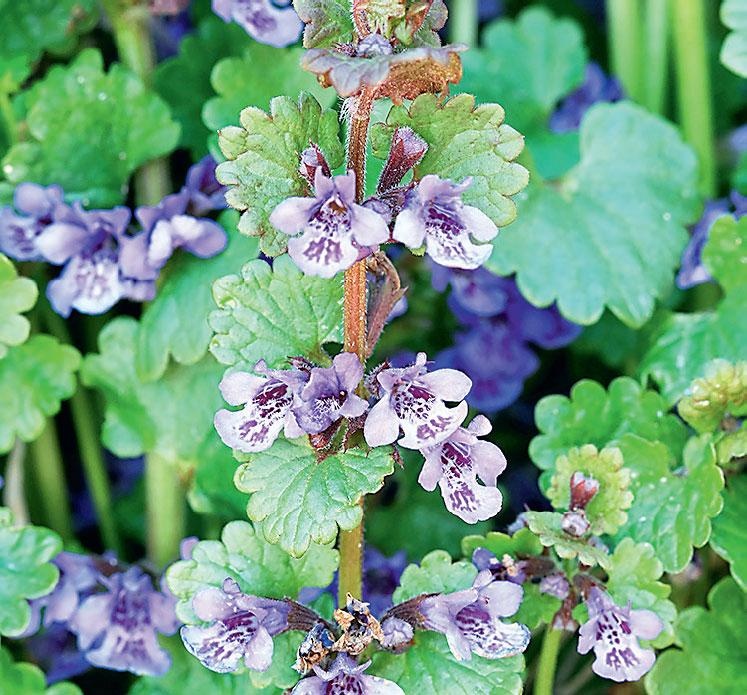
596, 87
456, 463
477, 292
613, 633
35, 206
241, 628
555, 585
330, 395
335, 231
434, 214
56, 651
267, 402
506, 569
397, 633
413, 400
273, 22
118, 629
345, 676
471, 619
204, 191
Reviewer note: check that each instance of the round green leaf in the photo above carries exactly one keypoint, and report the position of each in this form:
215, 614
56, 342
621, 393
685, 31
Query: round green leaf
16, 296
729, 537
436, 574
28, 679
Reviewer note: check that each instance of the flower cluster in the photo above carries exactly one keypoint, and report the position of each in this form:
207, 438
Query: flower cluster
103, 262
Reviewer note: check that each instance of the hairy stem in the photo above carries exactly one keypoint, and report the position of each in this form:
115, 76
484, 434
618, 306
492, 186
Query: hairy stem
548, 661
657, 53
624, 30
14, 496
463, 22
165, 509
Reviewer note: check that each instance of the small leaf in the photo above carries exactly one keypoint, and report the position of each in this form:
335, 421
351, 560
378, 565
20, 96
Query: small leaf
672, 509
297, 499
328, 22
16, 296
25, 572
264, 156
712, 644
729, 537
259, 568
28, 679
88, 130
436, 574
547, 525
429, 667
463, 140
734, 49
34, 378
273, 313
725, 253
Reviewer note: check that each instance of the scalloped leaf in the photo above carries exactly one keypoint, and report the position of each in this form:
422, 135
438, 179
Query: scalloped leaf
463, 140
547, 525
28, 679
729, 536
734, 49
273, 313
436, 574
264, 156
328, 22
34, 378
612, 228
17, 294
25, 571
712, 645
672, 508
88, 130
297, 500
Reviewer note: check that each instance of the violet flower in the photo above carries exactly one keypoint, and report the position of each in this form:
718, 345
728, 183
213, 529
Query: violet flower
205, 193
555, 585
273, 22
267, 402
471, 619
334, 230
397, 633
118, 629
241, 628
35, 206
435, 215
477, 292
413, 400
614, 633
345, 676
330, 395
455, 464
505, 569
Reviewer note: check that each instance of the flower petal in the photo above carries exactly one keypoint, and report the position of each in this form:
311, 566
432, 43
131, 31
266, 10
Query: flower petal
382, 424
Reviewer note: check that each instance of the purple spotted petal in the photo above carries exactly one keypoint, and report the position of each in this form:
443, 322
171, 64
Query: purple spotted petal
273, 23
345, 677
19, 232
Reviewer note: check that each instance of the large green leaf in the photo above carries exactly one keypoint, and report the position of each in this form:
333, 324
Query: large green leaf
729, 537
463, 140
436, 574
16, 296
34, 378
25, 571
263, 166
612, 229
28, 679
712, 654
297, 499
273, 313
672, 508
88, 130
734, 48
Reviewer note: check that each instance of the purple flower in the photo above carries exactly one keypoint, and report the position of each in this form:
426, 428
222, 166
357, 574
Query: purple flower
413, 400
167, 227
241, 628
614, 633
456, 463
118, 629
478, 292
35, 206
434, 214
204, 191
471, 619
397, 633
334, 230
506, 569
596, 87
555, 585
330, 395
345, 676
267, 402
273, 22
55, 650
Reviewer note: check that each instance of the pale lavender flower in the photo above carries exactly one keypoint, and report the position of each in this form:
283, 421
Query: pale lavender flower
413, 400
267, 402
455, 465
240, 630
345, 676
34, 210
335, 231
204, 191
118, 629
555, 585
397, 633
330, 395
471, 619
273, 22
435, 215
613, 633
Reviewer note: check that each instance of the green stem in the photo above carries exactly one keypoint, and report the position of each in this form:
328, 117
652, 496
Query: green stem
14, 496
624, 31
49, 476
548, 661
10, 126
463, 22
694, 98
165, 509
657, 53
